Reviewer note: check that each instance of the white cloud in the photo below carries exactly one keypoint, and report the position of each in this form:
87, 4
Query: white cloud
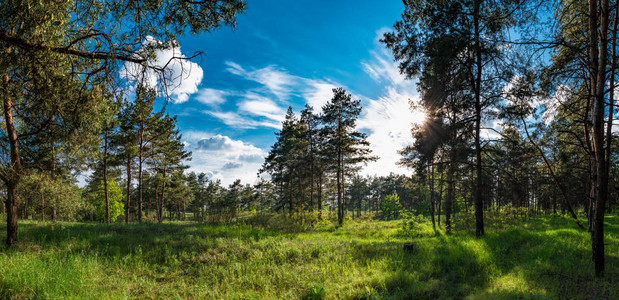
224, 158
235, 120
318, 93
265, 106
388, 118
262, 106
180, 79
211, 97
276, 80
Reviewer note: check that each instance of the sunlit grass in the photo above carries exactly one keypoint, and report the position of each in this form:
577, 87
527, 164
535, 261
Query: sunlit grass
546, 257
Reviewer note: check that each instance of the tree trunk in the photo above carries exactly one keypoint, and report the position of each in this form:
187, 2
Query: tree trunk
53, 175
440, 198
340, 213
42, 206
107, 200
140, 162
311, 204
599, 182
450, 194
128, 190
13, 178
479, 205
432, 195
162, 200
320, 196
290, 198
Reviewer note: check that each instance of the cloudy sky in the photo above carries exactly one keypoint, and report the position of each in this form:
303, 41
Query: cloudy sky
289, 53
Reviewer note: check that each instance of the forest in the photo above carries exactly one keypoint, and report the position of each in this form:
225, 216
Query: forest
511, 190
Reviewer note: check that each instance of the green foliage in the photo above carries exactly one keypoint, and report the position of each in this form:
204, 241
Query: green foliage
415, 226
42, 193
390, 207
315, 292
115, 198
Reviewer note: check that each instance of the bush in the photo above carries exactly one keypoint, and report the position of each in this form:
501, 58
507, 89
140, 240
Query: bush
115, 197
414, 226
297, 222
42, 193
390, 207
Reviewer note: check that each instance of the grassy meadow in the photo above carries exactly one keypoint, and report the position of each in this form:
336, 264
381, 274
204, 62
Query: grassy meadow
546, 257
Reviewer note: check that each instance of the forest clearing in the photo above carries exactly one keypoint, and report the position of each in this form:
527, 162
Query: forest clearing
546, 257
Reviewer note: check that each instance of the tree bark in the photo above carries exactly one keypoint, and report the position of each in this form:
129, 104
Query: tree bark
128, 190
599, 182
450, 194
140, 162
479, 205
340, 213
440, 198
13, 178
320, 196
53, 174
432, 195
107, 200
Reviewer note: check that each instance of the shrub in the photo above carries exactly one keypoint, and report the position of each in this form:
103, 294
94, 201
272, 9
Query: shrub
390, 207
414, 226
297, 222
115, 197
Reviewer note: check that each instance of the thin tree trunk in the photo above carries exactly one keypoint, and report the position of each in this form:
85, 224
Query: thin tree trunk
128, 190
431, 167
340, 213
162, 200
479, 205
450, 194
53, 174
440, 198
312, 181
140, 162
13, 178
290, 198
107, 200
42, 206
320, 196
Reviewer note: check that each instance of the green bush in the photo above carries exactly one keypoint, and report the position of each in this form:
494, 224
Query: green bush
390, 207
415, 226
297, 222
115, 197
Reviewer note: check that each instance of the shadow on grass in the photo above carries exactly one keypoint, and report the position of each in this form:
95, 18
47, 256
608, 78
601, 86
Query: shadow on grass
550, 258
156, 243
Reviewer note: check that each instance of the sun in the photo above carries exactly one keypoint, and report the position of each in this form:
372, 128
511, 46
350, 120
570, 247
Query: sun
418, 116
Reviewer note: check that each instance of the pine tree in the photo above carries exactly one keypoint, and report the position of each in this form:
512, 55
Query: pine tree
346, 147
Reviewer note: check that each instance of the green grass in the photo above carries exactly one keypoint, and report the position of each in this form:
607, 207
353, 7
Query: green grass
547, 257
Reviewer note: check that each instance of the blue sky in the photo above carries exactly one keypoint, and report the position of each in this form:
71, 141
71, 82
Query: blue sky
287, 53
